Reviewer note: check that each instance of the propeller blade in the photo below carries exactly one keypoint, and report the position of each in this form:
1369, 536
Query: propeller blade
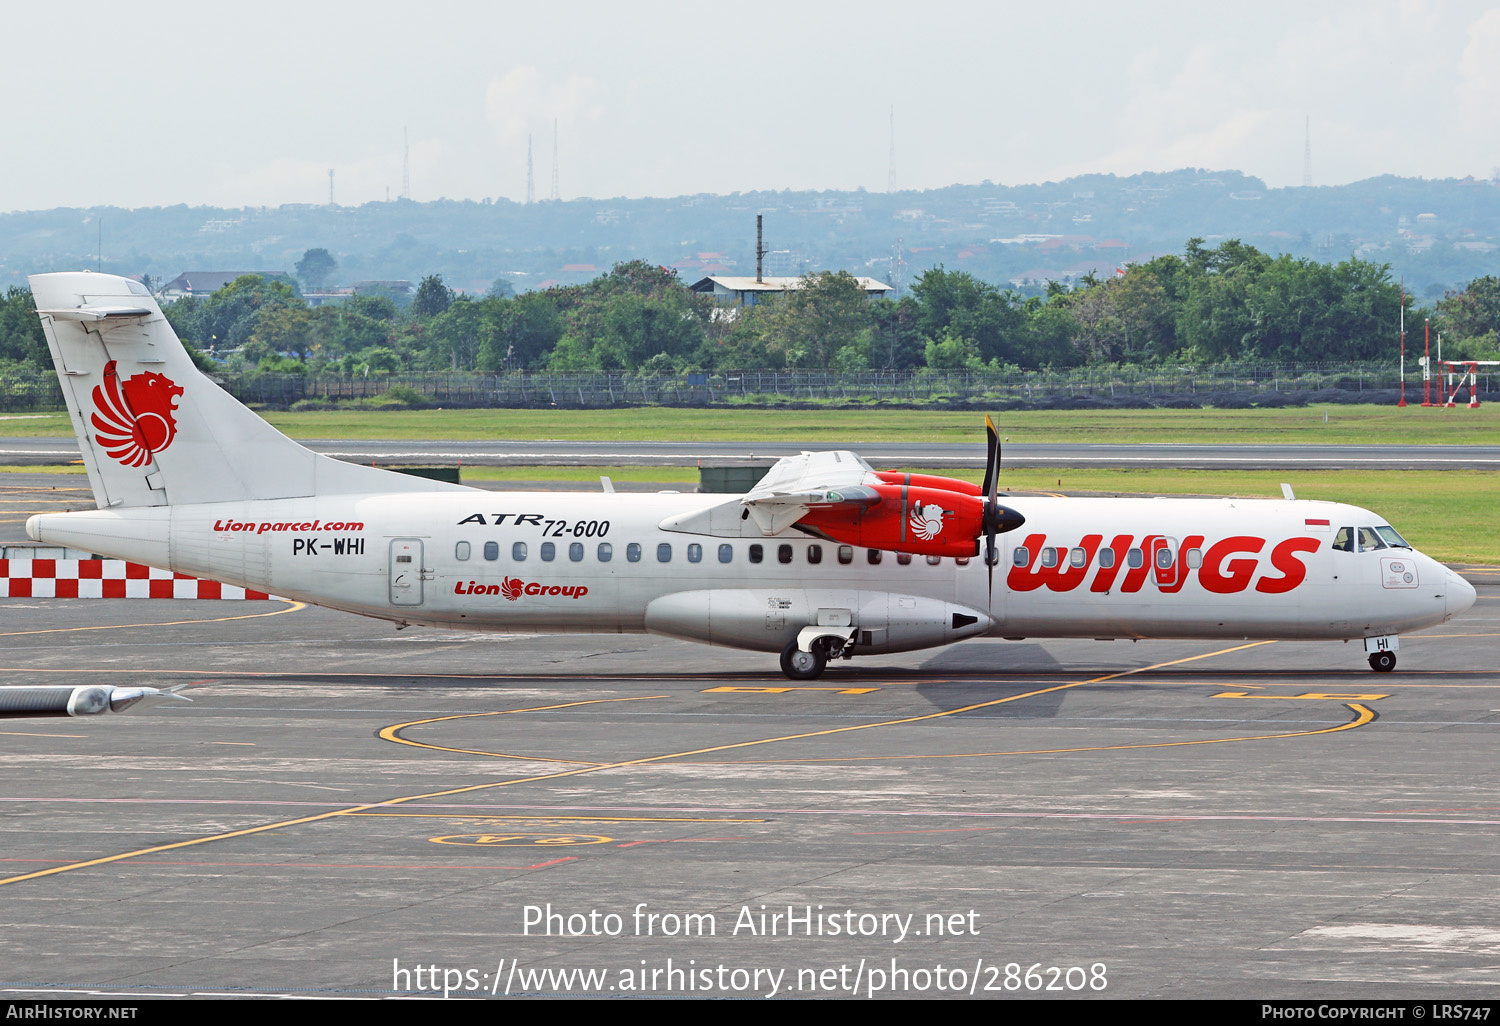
991, 459
991, 492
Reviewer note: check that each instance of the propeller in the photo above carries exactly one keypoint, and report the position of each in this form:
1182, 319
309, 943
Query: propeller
997, 518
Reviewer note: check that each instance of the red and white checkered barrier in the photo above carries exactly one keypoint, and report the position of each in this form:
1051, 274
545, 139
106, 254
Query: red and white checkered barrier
107, 578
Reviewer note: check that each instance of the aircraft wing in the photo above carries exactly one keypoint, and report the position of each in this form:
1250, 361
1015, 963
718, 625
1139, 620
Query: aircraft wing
810, 480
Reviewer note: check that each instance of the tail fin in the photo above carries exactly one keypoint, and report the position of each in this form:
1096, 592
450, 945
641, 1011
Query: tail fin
154, 430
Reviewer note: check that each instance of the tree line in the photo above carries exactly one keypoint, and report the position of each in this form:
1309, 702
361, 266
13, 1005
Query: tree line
1231, 302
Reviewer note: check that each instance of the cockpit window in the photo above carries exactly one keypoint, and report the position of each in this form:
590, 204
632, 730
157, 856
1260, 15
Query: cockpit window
1368, 539
1391, 538
1344, 540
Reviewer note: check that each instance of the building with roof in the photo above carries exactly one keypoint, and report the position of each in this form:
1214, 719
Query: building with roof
205, 283
747, 291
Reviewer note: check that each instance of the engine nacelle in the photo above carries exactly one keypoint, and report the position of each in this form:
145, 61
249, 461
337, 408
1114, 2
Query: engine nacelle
909, 518
946, 484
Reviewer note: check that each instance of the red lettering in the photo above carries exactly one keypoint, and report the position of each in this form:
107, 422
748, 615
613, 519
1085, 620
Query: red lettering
1229, 577
1136, 575
1106, 575
1192, 541
1293, 570
1062, 577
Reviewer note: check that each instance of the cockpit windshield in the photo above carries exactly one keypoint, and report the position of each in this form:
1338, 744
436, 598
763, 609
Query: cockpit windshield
1391, 538
1368, 539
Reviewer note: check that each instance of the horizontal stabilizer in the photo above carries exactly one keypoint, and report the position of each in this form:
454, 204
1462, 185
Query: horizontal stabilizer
153, 429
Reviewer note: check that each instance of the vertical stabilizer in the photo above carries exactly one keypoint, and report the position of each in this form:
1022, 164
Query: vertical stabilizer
153, 429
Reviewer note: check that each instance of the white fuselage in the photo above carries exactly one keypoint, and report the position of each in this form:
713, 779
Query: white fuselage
592, 562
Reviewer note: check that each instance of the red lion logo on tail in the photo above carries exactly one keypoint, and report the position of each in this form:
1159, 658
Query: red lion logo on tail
136, 419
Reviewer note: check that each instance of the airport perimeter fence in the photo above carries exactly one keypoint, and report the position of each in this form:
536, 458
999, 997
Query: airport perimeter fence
1223, 386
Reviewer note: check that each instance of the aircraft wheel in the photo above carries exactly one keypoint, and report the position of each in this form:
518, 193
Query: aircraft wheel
1382, 662
800, 665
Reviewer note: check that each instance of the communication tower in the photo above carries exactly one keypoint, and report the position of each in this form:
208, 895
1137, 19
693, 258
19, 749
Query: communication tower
405, 165
556, 192
898, 265
1307, 155
890, 181
530, 177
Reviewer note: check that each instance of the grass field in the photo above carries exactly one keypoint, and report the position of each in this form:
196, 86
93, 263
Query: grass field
1345, 425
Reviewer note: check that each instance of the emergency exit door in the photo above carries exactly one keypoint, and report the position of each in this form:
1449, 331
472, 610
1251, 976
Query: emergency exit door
406, 572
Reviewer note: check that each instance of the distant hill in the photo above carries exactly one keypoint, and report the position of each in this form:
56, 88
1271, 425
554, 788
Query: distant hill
1434, 234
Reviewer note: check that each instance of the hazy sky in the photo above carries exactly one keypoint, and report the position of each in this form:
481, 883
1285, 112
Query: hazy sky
147, 104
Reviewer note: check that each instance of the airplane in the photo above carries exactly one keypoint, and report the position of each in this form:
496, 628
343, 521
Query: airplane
825, 558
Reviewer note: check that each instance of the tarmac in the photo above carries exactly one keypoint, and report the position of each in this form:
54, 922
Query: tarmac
348, 810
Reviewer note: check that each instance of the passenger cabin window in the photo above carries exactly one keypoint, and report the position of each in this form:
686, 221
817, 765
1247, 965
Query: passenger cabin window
934, 560
872, 556
492, 551
549, 552
664, 552
575, 552
1344, 540
1106, 559
726, 553
961, 560
606, 552
846, 554
1135, 559
517, 551
633, 552
783, 553
1021, 556
1077, 557
461, 550
1194, 558
1164, 558
904, 558
757, 553
1049, 556
815, 554
695, 553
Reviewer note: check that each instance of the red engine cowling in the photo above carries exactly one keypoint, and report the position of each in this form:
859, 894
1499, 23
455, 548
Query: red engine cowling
947, 484
922, 521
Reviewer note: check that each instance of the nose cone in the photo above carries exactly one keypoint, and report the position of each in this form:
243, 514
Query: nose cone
1460, 594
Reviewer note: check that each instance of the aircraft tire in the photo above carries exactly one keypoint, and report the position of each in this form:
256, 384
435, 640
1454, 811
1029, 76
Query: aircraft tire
800, 665
1382, 662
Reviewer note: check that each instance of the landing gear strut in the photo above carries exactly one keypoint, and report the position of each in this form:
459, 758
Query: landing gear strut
1382, 662
800, 665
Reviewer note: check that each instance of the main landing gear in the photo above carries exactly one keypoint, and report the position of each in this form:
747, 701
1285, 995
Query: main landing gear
800, 665
1382, 662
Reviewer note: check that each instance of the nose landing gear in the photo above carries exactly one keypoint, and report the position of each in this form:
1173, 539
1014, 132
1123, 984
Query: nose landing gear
1382, 649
